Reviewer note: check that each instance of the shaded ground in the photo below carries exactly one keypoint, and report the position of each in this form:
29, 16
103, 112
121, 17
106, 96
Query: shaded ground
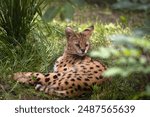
106, 15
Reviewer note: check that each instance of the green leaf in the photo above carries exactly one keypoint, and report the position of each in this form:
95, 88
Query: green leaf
142, 60
123, 19
102, 53
50, 13
113, 71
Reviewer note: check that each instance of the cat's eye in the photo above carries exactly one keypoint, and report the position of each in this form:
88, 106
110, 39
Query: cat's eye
77, 45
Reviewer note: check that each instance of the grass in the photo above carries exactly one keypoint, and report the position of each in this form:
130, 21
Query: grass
17, 19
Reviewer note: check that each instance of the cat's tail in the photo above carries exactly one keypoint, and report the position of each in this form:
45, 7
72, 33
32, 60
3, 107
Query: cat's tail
29, 77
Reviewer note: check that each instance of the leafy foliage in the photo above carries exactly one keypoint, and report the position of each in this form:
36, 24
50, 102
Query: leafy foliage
130, 64
136, 5
130, 55
65, 9
16, 19
37, 54
132, 5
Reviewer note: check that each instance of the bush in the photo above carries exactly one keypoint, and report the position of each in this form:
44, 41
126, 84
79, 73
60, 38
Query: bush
17, 19
129, 67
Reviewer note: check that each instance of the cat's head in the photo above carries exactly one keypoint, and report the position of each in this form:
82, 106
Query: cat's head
78, 42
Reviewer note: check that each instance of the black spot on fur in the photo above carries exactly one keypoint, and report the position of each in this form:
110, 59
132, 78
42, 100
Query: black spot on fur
78, 78
37, 74
86, 79
65, 69
67, 92
64, 65
73, 63
100, 69
66, 83
73, 80
77, 74
84, 68
61, 79
90, 74
90, 77
46, 75
94, 83
85, 84
54, 80
59, 74
97, 78
95, 72
38, 79
71, 91
61, 62
105, 67
62, 94
88, 71
76, 89
63, 74
59, 83
97, 66
47, 79
73, 84
68, 76
73, 71
55, 77
79, 87
70, 61
91, 67
49, 83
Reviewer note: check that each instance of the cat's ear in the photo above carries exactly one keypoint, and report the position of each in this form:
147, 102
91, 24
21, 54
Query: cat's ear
69, 32
88, 31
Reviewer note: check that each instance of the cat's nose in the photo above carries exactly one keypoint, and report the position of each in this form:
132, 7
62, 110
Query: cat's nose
83, 50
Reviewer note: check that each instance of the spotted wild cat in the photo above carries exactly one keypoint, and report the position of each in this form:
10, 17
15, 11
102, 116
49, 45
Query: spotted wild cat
74, 72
